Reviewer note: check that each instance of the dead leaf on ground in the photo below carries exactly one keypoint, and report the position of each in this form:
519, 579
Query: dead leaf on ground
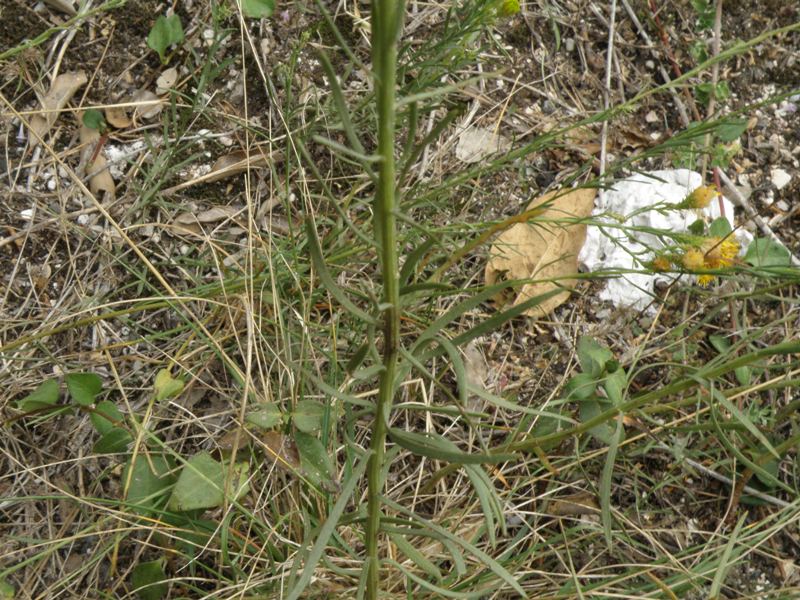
281, 450
476, 143
235, 437
62, 90
582, 503
118, 116
148, 105
543, 250
228, 166
477, 372
212, 215
65, 6
166, 80
100, 180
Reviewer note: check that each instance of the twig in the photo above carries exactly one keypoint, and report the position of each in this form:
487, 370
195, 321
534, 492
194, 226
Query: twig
751, 213
663, 72
612, 20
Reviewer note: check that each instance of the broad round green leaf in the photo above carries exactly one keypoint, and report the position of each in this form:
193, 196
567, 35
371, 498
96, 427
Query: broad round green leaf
150, 477
149, 581
165, 32
114, 441
201, 482
83, 387
166, 386
105, 417
265, 415
307, 416
43, 396
258, 9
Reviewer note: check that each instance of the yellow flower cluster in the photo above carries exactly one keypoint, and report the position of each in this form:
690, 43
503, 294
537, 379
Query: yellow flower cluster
711, 253
699, 198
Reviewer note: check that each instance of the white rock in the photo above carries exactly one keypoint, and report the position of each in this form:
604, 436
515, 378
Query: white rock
623, 246
780, 178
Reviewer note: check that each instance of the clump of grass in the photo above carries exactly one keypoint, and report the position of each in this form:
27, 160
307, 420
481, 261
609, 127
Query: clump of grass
321, 366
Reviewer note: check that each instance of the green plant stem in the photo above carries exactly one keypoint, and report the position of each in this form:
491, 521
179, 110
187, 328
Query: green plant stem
386, 19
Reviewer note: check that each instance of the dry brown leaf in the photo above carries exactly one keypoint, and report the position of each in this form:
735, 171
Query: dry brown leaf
582, 503
100, 180
148, 105
63, 88
476, 143
65, 6
477, 372
166, 80
542, 250
235, 437
229, 165
118, 116
212, 215
281, 450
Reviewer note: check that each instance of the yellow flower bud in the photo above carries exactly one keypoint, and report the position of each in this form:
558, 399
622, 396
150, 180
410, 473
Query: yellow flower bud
700, 197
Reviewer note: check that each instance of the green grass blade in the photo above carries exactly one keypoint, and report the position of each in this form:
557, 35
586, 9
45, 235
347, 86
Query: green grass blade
327, 280
327, 529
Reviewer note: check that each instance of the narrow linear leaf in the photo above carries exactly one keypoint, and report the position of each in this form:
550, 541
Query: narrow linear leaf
327, 529
416, 556
437, 447
606, 480
484, 558
327, 280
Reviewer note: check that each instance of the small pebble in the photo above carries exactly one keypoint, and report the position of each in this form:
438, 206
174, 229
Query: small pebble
780, 178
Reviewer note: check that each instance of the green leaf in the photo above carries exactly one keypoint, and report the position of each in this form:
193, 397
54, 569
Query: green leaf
93, 119
201, 482
592, 356
114, 441
307, 416
42, 397
697, 228
149, 581
581, 387
614, 384
314, 458
258, 9
265, 415
327, 529
83, 387
7, 590
589, 410
764, 252
105, 417
731, 129
165, 32
720, 227
150, 476
165, 386
416, 556
439, 448
606, 480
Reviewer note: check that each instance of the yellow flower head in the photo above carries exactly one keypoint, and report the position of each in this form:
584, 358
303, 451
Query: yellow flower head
508, 8
660, 264
712, 253
693, 260
719, 253
700, 197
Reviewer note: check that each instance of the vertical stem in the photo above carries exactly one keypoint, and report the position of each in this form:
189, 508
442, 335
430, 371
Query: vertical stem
386, 20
